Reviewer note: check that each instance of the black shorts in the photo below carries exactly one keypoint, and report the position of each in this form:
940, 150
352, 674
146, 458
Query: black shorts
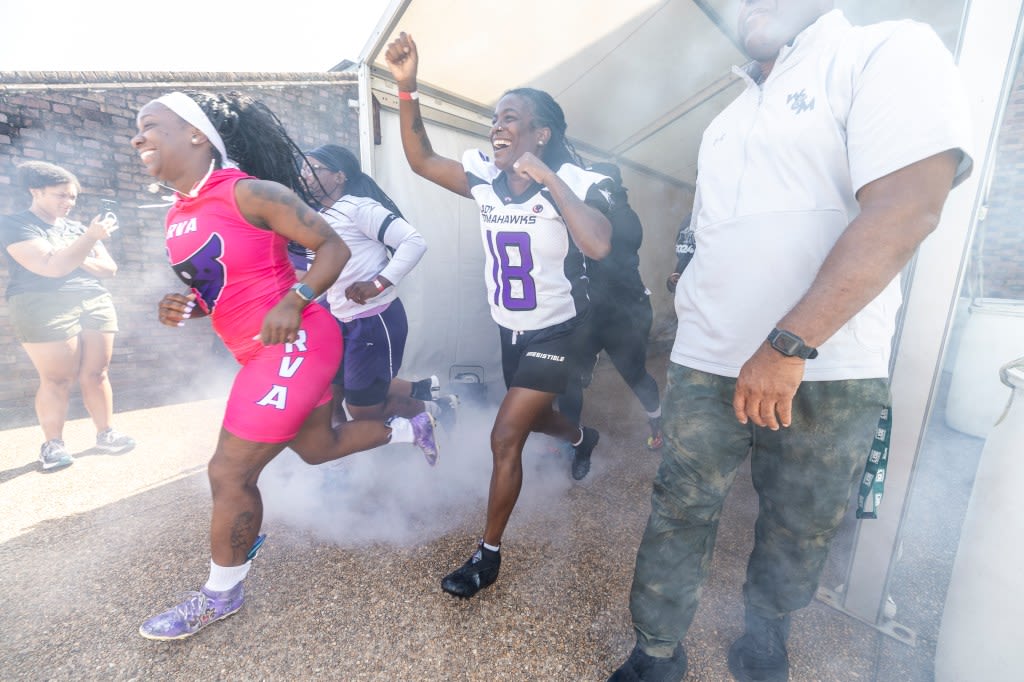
374, 348
541, 359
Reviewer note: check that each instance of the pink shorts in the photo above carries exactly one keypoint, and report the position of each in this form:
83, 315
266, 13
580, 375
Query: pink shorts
279, 386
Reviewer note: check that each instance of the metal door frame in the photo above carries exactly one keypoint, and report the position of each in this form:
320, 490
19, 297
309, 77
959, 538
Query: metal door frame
987, 54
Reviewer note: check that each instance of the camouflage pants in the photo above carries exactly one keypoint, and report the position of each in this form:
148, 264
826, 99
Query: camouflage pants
803, 476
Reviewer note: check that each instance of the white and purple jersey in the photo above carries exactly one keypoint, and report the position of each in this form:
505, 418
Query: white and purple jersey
370, 230
535, 273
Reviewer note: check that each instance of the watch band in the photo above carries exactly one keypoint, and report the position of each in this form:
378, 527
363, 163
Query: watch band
304, 291
377, 283
791, 345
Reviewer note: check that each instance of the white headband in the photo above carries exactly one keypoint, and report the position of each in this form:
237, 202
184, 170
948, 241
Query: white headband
186, 107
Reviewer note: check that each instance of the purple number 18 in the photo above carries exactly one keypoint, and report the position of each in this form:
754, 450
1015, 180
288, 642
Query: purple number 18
512, 263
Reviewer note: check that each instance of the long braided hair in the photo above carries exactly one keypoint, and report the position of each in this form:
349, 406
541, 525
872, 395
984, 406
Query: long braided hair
254, 138
357, 183
548, 114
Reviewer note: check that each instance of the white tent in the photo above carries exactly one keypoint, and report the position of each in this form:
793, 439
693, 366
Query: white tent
639, 81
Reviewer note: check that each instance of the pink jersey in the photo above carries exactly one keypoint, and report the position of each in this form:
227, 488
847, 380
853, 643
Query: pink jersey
237, 270
238, 273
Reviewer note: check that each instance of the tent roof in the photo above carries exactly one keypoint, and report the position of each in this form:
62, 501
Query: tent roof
638, 80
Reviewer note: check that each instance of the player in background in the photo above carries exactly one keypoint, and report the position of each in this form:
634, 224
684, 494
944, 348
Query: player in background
364, 299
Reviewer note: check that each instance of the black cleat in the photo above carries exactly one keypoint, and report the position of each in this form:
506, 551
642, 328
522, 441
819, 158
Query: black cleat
448, 407
480, 571
426, 389
640, 667
581, 453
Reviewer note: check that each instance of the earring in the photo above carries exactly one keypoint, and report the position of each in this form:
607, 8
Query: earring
195, 139
540, 143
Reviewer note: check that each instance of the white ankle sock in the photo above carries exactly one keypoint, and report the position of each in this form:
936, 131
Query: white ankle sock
401, 430
493, 548
577, 443
225, 577
655, 414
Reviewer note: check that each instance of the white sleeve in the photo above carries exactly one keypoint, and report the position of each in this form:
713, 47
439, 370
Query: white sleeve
408, 244
695, 210
479, 167
591, 187
908, 104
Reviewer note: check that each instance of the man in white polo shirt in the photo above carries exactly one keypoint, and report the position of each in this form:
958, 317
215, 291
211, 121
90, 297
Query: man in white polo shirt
815, 186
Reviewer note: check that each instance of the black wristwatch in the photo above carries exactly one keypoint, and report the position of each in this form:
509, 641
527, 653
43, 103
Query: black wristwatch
304, 291
791, 345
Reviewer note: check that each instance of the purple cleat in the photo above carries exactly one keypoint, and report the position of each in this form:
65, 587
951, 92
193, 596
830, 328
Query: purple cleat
423, 437
192, 615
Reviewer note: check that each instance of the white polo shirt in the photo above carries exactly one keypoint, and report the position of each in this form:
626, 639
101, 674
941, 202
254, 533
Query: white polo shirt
778, 172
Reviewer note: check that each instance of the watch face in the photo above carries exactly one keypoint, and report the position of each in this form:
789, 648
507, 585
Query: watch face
786, 343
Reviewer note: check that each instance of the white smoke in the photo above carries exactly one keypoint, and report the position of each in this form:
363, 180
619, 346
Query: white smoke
390, 495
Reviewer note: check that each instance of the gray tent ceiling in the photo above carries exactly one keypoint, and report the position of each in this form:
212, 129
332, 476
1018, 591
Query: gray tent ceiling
639, 79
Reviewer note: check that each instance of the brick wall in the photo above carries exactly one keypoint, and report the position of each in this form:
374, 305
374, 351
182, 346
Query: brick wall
84, 122
1000, 239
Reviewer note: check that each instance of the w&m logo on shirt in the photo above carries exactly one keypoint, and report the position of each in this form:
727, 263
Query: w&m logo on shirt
798, 102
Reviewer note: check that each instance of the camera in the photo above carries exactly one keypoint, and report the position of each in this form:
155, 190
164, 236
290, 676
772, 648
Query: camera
108, 211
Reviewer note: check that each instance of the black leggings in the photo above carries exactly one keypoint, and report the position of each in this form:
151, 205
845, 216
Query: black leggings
621, 330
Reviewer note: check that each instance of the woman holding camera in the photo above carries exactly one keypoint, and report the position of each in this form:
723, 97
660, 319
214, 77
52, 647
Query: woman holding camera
62, 314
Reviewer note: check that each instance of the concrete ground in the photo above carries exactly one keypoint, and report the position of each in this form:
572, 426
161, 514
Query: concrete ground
347, 585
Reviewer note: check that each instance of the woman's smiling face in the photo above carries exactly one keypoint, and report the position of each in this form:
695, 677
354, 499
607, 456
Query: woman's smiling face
161, 141
512, 131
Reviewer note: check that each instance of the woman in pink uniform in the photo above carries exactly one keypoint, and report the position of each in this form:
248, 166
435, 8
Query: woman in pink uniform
236, 176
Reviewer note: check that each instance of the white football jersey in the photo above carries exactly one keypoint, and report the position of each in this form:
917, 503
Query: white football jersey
535, 273
368, 229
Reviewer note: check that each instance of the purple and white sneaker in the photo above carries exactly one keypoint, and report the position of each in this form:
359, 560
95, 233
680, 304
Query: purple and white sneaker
192, 615
423, 426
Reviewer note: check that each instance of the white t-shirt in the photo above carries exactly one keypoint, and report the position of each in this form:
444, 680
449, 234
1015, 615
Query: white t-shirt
778, 171
368, 228
535, 273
